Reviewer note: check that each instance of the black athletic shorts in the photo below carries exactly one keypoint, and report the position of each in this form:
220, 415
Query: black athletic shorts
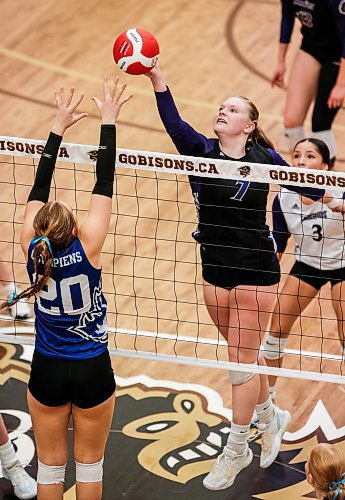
83, 382
317, 277
229, 277
323, 54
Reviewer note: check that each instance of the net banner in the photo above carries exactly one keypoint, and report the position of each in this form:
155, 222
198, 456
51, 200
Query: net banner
180, 164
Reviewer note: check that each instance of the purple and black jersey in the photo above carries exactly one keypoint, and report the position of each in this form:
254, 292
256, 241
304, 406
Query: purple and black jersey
232, 214
323, 24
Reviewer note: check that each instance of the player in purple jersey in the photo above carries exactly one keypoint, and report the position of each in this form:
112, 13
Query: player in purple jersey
318, 70
239, 268
71, 372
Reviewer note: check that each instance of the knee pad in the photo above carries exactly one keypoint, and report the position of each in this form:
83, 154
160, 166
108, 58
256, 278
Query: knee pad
273, 347
292, 136
50, 474
239, 378
89, 473
327, 136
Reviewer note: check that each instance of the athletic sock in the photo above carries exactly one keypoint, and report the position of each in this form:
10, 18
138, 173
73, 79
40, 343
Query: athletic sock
8, 456
237, 440
265, 411
273, 394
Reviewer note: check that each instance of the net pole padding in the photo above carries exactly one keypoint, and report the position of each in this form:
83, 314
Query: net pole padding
196, 362
179, 164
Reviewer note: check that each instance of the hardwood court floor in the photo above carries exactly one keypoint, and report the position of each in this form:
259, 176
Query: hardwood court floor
209, 50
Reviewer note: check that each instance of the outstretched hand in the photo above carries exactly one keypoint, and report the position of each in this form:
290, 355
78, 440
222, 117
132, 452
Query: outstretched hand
154, 72
65, 116
156, 78
112, 102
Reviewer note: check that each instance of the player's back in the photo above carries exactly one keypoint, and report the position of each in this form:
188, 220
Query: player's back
71, 309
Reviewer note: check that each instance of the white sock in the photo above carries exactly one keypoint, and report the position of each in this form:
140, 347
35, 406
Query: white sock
237, 440
265, 411
8, 456
293, 135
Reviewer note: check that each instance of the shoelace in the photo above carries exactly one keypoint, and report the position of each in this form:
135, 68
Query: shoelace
17, 474
256, 434
221, 462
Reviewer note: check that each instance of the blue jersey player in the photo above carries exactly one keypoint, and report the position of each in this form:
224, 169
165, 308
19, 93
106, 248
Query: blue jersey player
71, 369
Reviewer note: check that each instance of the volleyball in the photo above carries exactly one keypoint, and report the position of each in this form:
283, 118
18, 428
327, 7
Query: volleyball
136, 51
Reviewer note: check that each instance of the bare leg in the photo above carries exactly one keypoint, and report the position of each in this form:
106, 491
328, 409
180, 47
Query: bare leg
3, 432
91, 431
251, 308
242, 315
338, 302
218, 307
301, 90
50, 425
295, 296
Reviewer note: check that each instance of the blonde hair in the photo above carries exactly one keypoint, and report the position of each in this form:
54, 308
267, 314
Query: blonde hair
55, 223
327, 467
257, 136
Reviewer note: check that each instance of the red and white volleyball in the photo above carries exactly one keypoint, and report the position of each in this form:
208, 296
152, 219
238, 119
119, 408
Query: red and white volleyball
136, 51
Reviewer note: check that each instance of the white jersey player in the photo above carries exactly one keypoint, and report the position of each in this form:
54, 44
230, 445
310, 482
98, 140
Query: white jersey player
319, 250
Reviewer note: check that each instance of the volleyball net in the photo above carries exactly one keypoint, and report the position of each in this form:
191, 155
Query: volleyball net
151, 264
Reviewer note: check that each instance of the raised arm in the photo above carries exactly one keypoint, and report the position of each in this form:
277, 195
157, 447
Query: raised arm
93, 231
39, 193
187, 140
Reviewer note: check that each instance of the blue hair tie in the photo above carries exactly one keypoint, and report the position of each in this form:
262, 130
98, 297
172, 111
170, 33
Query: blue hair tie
43, 238
338, 484
14, 296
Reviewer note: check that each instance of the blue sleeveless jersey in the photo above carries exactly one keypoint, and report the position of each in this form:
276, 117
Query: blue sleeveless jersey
71, 309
